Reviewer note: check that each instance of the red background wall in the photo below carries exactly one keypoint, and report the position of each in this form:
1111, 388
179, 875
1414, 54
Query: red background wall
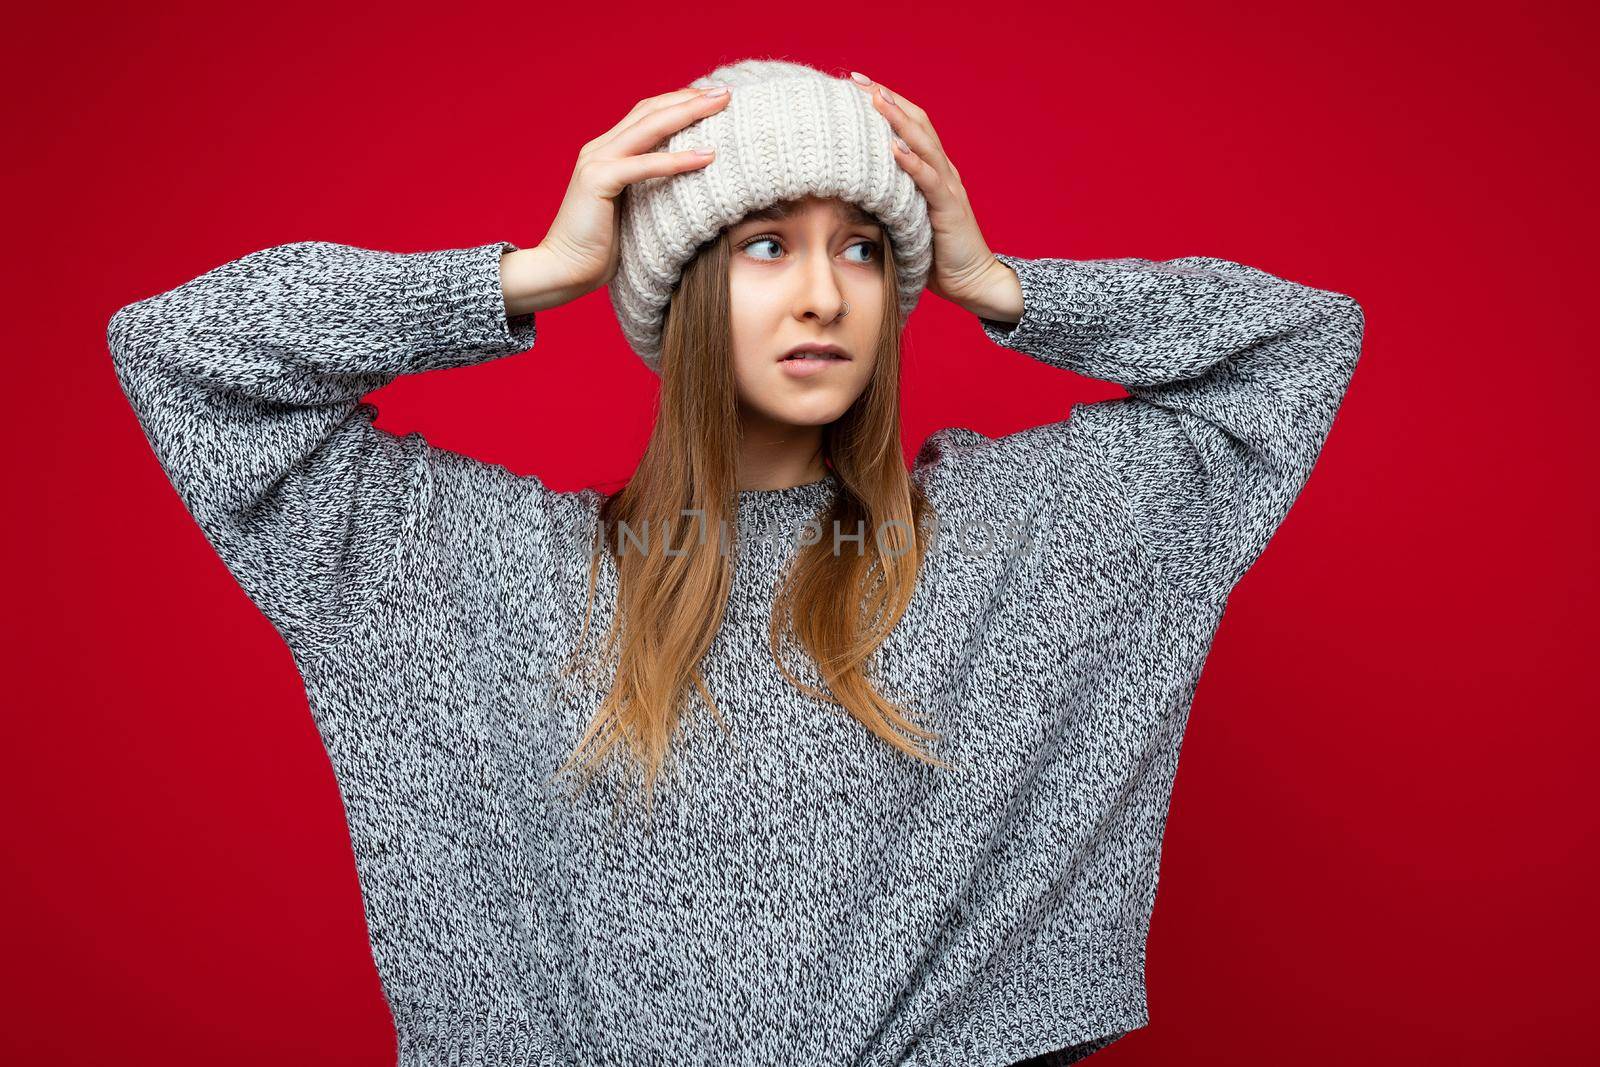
1384, 826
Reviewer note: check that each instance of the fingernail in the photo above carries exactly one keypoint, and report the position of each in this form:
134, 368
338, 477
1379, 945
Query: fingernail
704, 151
903, 146
860, 79
718, 91
887, 95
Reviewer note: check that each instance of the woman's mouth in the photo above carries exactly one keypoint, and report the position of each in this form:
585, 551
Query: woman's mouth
805, 364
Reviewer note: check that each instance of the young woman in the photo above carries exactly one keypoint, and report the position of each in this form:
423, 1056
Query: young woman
903, 740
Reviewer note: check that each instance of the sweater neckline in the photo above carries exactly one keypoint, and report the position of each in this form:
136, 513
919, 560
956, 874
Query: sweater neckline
801, 489
793, 498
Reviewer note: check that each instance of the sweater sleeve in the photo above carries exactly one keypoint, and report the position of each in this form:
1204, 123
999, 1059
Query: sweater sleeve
1234, 377
247, 381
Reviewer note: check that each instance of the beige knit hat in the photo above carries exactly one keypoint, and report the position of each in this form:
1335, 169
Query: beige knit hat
789, 130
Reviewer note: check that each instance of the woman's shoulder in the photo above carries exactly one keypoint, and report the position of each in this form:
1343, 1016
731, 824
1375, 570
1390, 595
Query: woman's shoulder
1049, 454
1048, 477
488, 501
959, 462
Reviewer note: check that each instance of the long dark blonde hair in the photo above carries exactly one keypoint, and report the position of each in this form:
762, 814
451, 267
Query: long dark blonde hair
839, 606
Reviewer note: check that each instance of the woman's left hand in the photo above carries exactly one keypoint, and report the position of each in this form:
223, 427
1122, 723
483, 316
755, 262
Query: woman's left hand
964, 270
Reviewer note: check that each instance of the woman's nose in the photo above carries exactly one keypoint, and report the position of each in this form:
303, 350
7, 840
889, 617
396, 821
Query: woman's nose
822, 295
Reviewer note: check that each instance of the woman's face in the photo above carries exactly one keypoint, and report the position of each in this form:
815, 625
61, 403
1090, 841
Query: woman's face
789, 277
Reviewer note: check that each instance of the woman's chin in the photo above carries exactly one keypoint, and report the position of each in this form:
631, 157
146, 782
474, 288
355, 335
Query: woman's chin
814, 407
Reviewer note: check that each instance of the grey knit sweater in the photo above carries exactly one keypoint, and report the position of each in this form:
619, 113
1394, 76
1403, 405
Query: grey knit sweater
803, 893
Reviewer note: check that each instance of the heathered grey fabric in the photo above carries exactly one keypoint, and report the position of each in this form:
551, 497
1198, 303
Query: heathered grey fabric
804, 893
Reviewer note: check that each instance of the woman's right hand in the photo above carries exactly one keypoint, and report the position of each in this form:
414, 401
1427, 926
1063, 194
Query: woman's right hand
580, 251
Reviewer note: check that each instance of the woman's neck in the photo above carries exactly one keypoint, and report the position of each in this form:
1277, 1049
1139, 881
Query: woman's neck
778, 457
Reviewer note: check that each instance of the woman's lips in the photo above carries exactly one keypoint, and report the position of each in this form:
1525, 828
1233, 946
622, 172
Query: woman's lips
804, 366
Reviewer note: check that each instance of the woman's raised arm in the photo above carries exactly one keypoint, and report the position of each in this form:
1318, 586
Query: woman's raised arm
1234, 378
1234, 374
248, 381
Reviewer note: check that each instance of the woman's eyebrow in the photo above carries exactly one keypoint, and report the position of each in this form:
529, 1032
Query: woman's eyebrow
854, 214
779, 212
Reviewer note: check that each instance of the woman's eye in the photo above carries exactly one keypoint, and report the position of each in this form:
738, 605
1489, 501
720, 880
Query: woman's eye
760, 241
869, 246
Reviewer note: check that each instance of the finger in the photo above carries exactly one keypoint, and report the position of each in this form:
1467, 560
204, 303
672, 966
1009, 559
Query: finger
927, 177
926, 142
611, 175
915, 133
655, 126
906, 104
648, 106
888, 104
649, 103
